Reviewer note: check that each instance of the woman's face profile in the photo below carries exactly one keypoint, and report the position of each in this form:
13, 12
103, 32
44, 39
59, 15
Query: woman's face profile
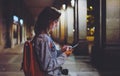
53, 25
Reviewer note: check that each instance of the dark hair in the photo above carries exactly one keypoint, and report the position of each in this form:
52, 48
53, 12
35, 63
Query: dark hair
48, 14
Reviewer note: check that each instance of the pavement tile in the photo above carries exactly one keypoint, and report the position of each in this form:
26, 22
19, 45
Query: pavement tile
11, 58
11, 74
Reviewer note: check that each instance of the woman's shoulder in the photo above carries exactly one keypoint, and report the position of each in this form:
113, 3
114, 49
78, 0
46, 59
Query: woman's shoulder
43, 37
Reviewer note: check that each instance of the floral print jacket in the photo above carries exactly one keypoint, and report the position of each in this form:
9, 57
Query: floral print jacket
49, 59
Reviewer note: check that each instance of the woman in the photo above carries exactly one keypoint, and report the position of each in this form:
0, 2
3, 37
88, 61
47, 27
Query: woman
49, 59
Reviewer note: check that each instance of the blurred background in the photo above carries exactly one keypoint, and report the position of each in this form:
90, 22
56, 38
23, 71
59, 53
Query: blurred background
95, 24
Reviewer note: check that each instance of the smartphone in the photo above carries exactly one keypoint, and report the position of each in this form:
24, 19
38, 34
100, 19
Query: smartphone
74, 46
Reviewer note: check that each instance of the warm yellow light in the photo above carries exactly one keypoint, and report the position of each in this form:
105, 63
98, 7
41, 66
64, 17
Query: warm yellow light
90, 38
92, 29
91, 8
88, 28
87, 20
88, 16
73, 30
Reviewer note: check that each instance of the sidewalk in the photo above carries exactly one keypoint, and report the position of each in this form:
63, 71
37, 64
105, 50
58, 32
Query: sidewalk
18, 49
79, 66
10, 61
11, 58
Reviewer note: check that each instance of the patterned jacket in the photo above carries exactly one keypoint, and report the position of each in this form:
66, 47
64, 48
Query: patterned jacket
49, 59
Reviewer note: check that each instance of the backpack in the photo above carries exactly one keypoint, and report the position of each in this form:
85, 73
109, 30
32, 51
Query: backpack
30, 66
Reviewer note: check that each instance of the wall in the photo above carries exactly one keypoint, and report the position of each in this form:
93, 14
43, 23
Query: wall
113, 22
2, 28
82, 14
70, 24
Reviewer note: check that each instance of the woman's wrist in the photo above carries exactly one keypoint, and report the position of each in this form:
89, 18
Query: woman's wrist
68, 52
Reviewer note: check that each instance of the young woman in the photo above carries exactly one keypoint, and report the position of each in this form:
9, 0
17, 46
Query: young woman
49, 59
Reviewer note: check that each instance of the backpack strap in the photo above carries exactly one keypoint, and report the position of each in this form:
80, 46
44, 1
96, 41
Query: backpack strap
24, 54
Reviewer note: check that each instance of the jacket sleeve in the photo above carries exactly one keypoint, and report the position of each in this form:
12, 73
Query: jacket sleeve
47, 60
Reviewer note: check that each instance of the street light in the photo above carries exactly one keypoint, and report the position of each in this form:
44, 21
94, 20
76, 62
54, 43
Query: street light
21, 22
64, 6
15, 19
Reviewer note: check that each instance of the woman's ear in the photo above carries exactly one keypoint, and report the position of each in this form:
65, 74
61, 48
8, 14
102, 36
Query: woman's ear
51, 21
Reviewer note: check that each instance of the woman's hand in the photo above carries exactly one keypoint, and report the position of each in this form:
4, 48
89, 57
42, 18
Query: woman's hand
64, 48
67, 49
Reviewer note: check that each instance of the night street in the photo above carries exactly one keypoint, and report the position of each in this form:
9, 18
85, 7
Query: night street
11, 60
91, 27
